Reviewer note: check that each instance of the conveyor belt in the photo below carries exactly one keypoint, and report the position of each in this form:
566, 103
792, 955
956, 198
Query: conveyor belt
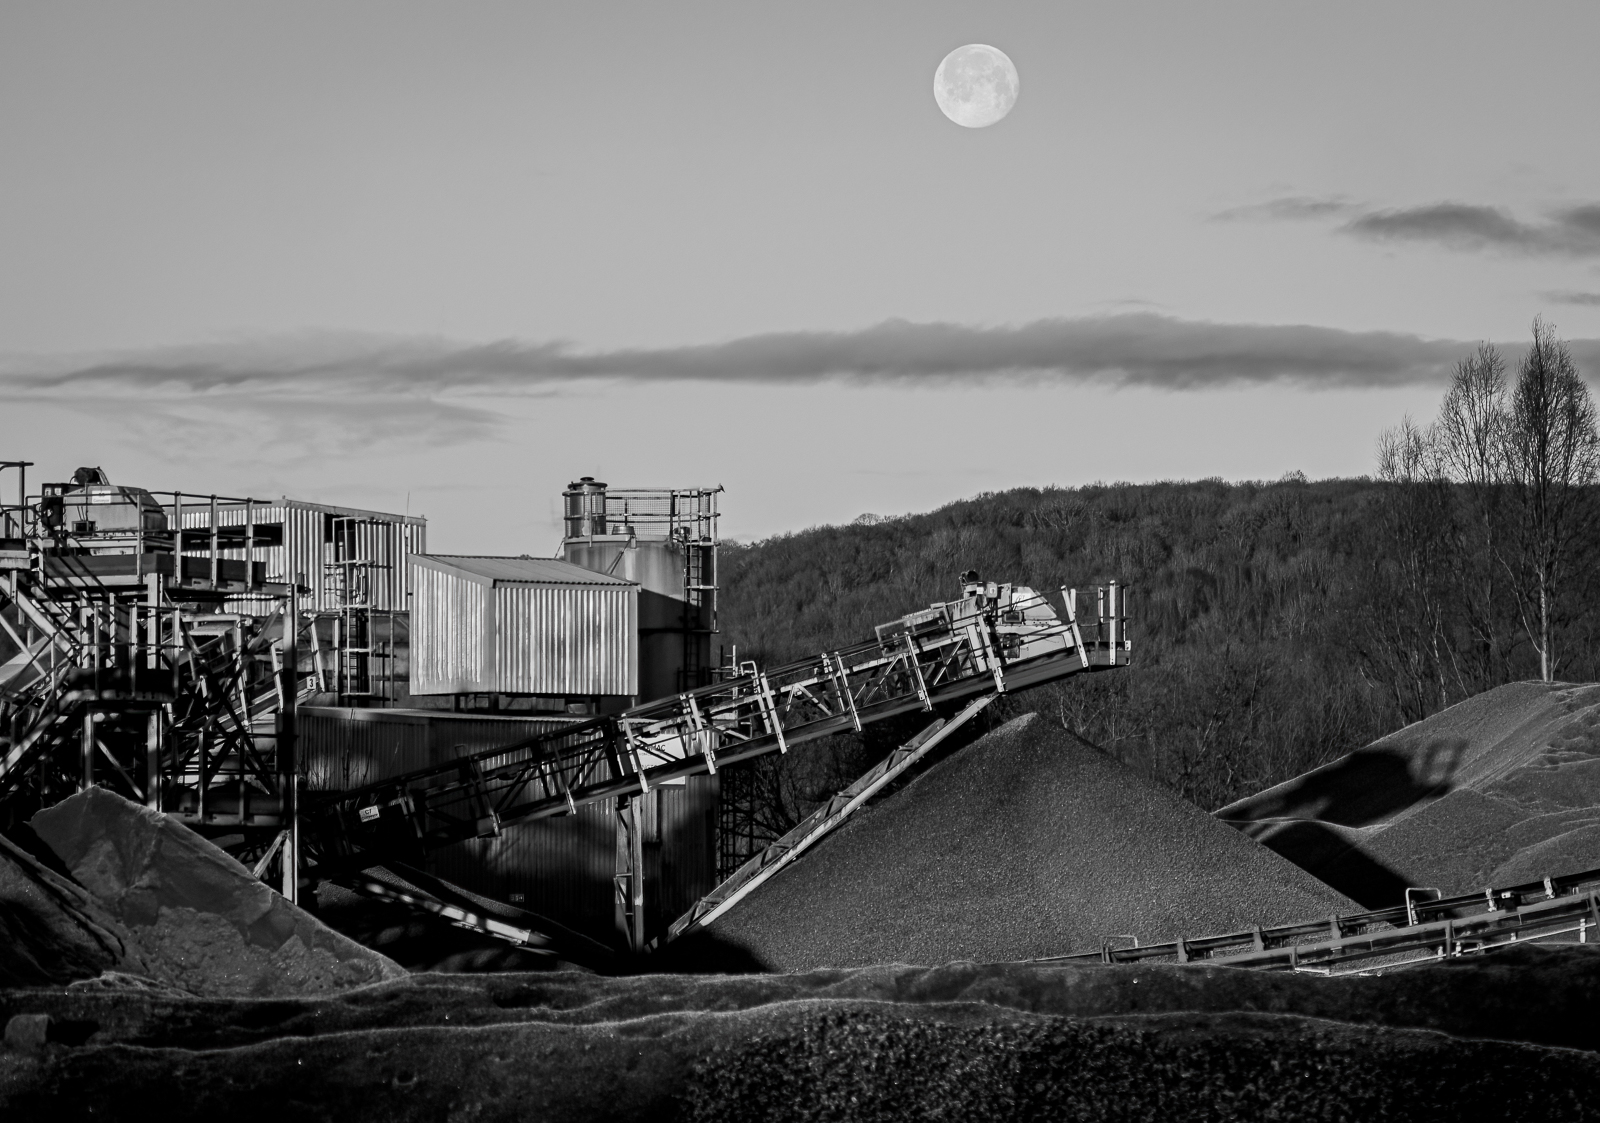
997, 638
1417, 932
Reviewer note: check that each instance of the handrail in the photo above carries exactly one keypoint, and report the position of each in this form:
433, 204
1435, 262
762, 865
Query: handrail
1349, 936
999, 639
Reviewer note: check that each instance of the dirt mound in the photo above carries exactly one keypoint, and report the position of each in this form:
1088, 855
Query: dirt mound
1232, 1067
1027, 843
193, 917
52, 931
1504, 1036
1500, 789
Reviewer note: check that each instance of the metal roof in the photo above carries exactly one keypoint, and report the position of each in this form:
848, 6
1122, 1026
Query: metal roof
523, 570
201, 502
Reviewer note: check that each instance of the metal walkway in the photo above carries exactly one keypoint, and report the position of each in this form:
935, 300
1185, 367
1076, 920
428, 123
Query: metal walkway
1415, 933
996, 638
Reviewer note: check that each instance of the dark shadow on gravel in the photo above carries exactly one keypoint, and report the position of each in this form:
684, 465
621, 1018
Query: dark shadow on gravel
1334, 861
1364, 788
703, 953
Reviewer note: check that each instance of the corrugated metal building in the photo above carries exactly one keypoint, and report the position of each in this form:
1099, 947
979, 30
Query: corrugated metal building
560, 867
492, 625
303, 543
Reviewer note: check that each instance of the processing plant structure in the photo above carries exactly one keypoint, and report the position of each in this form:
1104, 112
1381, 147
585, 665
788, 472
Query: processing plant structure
309, 687
545, 750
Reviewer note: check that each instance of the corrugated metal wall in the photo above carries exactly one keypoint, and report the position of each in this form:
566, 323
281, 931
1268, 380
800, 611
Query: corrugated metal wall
567, 639
307, 549
469, 635
561, 867
452, 631
342, 748
564, 867
683, 867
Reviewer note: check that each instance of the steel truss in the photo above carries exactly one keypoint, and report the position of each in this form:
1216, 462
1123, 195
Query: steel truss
125, 673
1387, 939
995, 639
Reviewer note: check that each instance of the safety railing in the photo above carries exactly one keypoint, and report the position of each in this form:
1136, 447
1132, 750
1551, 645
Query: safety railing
996, 639
1446, 926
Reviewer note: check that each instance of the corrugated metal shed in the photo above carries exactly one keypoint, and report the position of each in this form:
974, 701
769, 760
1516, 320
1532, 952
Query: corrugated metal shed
521, 626
297, 546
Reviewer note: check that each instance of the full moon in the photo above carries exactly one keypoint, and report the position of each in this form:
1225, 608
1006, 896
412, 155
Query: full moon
975, 85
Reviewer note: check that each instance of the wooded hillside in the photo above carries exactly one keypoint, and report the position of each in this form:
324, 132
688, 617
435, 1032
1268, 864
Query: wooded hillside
1276, 625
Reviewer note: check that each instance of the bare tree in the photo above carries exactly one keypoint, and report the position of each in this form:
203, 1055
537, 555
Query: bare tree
1410, 632
1469, 443
1552, 459
1469, 437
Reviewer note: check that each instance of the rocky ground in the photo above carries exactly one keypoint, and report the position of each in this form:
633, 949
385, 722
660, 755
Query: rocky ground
118, 887
142, 971
1509, 1037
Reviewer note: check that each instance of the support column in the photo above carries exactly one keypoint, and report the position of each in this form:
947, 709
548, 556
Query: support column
152, 761
629, 880
88, 750
287, 757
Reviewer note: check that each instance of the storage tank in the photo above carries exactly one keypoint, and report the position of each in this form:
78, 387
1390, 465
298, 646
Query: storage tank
665, 541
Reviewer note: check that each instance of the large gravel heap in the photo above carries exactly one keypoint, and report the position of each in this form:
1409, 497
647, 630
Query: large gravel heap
1500, 789
1027, 843
148, 897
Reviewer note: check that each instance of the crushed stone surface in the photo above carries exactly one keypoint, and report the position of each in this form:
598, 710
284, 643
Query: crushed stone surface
193, 917
1501, 789
878, 1066
1502, 1037
1026, 843
52, 930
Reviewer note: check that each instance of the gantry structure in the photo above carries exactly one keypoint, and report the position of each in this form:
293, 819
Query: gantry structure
997, 638
121, 664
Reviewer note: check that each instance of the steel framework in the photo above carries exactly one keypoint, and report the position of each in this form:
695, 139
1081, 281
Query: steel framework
124, 670
1406, 935
996, 638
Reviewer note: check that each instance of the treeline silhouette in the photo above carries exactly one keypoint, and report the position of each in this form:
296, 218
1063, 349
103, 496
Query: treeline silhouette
1276, 625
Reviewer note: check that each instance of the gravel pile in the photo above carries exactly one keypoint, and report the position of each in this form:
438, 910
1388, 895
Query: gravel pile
872, 1066
1504, 1037
52, 930
1027, 843
1500, 789
149, 897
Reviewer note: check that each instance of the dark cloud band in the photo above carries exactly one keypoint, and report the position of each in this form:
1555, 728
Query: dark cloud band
1566, 232
1131, 349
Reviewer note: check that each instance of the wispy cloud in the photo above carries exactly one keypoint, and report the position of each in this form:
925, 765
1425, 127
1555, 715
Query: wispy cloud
1290, 207
1572, 231
1567, 296
413, 376
208, 425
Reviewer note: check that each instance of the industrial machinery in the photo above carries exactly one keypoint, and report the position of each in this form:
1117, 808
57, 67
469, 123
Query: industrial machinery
122, 665
996, 638
143, 647
1420, 931
665, 539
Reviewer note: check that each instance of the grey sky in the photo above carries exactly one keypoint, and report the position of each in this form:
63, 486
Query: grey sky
507, 204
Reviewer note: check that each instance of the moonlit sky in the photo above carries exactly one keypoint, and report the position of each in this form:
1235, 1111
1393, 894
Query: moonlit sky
451, 256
